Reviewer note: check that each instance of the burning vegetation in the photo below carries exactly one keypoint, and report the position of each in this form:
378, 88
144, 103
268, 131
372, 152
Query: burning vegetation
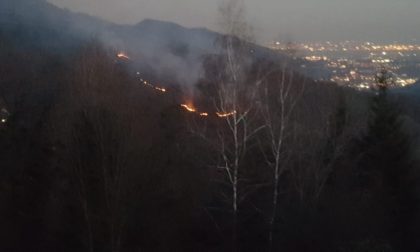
186, 106
123, 55
189, 108
225, 114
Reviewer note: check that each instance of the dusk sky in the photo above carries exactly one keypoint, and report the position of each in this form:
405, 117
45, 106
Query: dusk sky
377, 20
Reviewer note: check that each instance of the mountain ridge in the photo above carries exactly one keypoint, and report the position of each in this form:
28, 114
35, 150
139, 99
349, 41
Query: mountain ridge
164, 45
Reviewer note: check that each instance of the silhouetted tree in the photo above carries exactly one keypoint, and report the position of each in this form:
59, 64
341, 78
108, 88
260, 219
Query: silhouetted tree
386, 160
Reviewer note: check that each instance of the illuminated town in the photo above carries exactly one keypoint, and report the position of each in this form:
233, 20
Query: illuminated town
354, 64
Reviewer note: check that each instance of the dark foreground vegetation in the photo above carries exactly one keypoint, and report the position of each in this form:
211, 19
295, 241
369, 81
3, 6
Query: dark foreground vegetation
92, 161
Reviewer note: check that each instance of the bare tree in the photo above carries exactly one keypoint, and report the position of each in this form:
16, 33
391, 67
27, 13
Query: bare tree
235, 103
279, 95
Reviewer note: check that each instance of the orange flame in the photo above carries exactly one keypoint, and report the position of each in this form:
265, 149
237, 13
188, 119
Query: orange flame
188, 108
221, 115
122, 55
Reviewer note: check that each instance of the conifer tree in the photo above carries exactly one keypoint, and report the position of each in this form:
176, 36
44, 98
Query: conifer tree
386, 161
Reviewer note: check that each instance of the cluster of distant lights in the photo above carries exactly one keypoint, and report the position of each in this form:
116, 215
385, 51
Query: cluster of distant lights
324, 58
367, 85
347, 46
379, 55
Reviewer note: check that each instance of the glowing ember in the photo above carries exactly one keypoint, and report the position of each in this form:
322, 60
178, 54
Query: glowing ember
148, 84
160, 89
122, 55
225, 114
188, 108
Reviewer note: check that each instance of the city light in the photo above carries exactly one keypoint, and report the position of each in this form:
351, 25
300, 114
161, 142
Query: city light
354, 64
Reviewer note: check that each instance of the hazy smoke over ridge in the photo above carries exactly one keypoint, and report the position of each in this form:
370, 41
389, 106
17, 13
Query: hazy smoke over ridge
381, 20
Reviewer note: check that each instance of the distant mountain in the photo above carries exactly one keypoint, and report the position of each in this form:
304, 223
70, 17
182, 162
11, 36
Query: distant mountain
165, 46
168, 47
37, 23
167, 33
